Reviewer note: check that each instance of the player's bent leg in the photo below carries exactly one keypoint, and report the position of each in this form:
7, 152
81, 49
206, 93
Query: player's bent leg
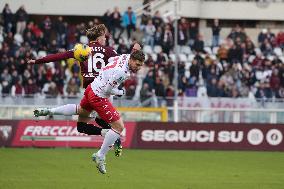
117, 143
88, 129
111, 136
83, 126
92, 130
102, 123
117, 125
66, 110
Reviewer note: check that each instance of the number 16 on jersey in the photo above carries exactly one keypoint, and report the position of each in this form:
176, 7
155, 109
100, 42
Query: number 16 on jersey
93, 62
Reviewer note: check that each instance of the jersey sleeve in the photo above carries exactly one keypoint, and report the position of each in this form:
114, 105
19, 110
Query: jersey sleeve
55, 57
114, 81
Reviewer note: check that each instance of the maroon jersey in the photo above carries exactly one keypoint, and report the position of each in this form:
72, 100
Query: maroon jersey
89, 68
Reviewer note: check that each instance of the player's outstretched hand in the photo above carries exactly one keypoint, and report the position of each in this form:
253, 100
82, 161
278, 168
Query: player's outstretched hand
31, 61
122, 92
136, 47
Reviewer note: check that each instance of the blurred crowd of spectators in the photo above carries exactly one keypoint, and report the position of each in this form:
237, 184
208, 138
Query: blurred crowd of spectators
236, 67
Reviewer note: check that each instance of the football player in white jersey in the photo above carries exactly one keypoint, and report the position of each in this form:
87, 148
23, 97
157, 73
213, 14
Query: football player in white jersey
96, 99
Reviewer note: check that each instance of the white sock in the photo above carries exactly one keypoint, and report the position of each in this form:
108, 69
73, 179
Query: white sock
110, 137
104, 131
67, 110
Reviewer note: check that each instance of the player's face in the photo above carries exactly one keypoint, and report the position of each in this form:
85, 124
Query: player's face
135, 65
102, 40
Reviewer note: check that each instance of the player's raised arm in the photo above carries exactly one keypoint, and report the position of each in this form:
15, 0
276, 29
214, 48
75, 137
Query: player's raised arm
53, 57
136, 47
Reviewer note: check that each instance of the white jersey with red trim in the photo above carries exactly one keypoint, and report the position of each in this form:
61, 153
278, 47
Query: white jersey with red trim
111, 76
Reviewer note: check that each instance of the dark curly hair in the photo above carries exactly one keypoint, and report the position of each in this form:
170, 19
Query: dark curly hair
138, 55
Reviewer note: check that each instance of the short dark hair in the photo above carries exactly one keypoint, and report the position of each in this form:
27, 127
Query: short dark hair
138, 55
95, 32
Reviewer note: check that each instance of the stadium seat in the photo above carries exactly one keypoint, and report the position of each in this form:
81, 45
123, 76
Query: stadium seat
282, 59
208, 50
187, 73
270, 57
182, 57
215, 50
147, 49
251, 58
41, 54
257, 51
213, 57
84, 39
278, 51
1, 38
187, 65
157, 49
34, 53
191, 57
172, 57
185, 50
166, 56
154, 56
146, 56
18, 39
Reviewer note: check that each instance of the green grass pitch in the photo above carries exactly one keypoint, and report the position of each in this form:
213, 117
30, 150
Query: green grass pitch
140, 169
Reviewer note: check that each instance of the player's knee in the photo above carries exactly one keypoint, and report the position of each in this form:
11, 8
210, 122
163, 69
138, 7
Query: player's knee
81, 126
118, 126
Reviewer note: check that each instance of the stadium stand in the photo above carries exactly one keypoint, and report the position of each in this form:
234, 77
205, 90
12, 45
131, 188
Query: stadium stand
236, 67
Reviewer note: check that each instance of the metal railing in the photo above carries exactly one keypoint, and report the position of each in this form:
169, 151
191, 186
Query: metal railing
214, 110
